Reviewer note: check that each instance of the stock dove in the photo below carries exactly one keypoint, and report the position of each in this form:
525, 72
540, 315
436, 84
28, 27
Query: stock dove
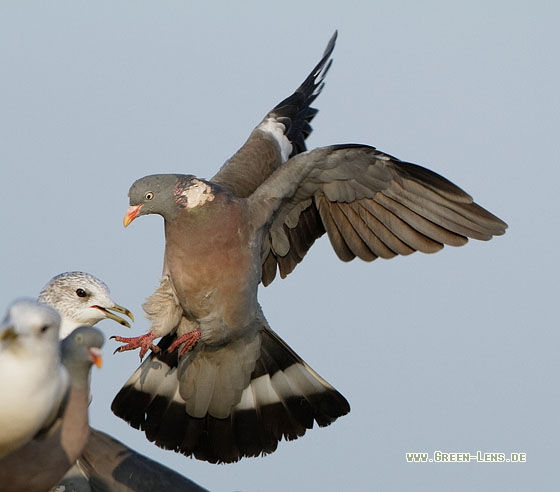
43, 461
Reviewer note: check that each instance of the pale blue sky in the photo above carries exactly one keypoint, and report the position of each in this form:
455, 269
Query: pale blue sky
454, 352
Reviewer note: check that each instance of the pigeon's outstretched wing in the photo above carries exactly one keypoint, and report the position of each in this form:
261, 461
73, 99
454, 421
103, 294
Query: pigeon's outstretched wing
370, 204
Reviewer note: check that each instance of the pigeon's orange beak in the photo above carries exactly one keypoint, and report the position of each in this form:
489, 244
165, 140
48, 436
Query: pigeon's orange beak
131, 214
95, 356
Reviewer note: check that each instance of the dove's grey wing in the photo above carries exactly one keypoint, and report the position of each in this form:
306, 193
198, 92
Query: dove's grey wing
370, 204
113, 467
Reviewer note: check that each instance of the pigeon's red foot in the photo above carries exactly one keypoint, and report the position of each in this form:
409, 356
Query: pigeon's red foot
189, 339
143, 342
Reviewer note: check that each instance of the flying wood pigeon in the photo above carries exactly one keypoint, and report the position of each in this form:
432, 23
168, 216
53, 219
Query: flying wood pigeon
221, 384
43, 461
33, 383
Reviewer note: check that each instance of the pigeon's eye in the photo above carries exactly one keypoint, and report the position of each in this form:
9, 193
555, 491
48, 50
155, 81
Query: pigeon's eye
44, 328
81, 293
149, 195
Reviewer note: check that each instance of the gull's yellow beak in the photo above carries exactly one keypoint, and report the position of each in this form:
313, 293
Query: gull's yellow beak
8, 334
114, 317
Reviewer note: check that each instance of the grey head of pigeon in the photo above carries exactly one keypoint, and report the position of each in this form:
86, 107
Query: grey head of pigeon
168, 194
81, 299
80, 350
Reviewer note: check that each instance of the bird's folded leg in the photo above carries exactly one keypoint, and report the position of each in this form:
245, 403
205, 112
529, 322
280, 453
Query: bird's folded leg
143, 342
189, 339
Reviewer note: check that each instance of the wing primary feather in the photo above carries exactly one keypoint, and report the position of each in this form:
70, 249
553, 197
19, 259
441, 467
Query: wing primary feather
348, 230
339, 245
448, 218
387, 245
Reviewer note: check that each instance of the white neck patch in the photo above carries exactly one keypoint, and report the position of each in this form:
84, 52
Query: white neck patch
198, 194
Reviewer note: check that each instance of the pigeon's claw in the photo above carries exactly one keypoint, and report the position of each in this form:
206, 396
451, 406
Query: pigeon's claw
189, 339
143, 342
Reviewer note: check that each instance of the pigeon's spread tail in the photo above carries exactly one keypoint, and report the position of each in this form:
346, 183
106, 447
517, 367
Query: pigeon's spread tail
283, 399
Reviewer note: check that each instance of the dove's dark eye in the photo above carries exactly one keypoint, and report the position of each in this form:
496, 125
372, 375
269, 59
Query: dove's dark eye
44, 328
149, 195
81, 293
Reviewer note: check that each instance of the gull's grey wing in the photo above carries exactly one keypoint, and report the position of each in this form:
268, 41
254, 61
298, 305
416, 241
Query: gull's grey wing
370, 204
112, 466
261, 154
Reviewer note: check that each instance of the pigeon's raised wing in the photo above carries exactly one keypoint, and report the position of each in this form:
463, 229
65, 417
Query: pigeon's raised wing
261, 154
370, 204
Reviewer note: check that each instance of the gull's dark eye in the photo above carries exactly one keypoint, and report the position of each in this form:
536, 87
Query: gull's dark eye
149, 195
44, 328
81, 293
